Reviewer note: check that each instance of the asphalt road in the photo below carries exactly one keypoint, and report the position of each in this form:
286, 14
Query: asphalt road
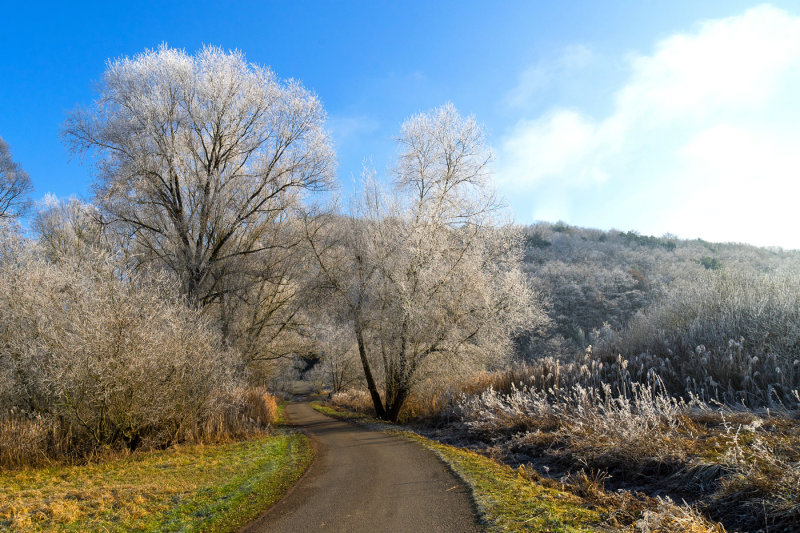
367, 481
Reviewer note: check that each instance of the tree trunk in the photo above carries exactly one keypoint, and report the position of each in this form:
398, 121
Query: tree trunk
380, 411
393, 411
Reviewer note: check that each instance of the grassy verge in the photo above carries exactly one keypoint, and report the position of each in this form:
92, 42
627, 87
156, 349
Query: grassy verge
335, 412
280, 415
193, 488
508, 499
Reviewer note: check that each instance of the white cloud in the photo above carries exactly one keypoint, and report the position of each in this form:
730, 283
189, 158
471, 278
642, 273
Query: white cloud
728, 63
558, 144
709, 123
537, 78
746, 185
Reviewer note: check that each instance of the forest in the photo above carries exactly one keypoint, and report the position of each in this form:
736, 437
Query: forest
217, 265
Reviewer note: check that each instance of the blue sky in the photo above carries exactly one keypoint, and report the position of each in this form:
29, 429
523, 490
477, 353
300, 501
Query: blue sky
678, 116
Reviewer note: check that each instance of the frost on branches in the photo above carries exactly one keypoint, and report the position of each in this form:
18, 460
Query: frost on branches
427, 276
202, 159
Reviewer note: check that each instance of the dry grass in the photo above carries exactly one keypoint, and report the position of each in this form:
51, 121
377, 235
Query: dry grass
30, 442
200, 487
260, 406
742, 468
520, 499
247, 412
40, 441
358, 401
763, 484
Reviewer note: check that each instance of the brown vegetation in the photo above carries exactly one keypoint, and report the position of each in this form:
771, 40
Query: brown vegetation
96, 357
568, 425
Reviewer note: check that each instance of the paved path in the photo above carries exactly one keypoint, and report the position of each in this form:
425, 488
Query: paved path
366, 481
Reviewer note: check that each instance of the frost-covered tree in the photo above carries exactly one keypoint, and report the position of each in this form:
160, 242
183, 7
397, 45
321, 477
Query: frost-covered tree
201, 157
15, 185
426, 275
264, 298
338, 367
66, 227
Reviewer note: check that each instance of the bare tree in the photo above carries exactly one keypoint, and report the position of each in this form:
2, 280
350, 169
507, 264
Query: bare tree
338, 367
201, 157
262, 309
15, 185
65, 228
428, 277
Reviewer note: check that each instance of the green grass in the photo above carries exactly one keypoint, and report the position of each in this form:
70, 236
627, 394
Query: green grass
280, 416
192, 488
345, 415
508, 500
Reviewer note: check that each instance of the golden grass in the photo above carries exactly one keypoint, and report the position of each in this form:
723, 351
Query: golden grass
190, 488
508, 499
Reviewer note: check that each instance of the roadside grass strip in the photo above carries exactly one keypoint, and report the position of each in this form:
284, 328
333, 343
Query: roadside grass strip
507, 499
193, 488
510, 500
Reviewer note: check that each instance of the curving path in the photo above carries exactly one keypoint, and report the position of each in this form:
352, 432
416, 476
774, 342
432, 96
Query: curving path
367, 481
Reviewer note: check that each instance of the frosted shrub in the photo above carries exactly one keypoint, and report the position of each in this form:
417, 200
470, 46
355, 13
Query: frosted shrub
732, 337
355, 399
593, 422
584, 294
106, 352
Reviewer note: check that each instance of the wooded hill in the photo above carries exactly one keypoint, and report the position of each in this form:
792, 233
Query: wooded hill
591, 278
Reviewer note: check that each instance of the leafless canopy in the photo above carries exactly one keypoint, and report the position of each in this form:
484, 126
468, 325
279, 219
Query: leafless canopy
15, 185
427, 275
200, 156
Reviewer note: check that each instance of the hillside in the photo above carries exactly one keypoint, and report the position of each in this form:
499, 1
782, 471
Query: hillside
591, 277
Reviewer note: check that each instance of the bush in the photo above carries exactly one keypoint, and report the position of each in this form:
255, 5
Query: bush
354, 400
732, 337
109, 357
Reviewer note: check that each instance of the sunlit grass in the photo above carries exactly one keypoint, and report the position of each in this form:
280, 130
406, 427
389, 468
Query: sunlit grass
192, 488
508, 499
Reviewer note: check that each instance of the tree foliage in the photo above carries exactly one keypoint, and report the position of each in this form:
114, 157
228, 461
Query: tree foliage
427, 279
200, 157
67, 228
15, 185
